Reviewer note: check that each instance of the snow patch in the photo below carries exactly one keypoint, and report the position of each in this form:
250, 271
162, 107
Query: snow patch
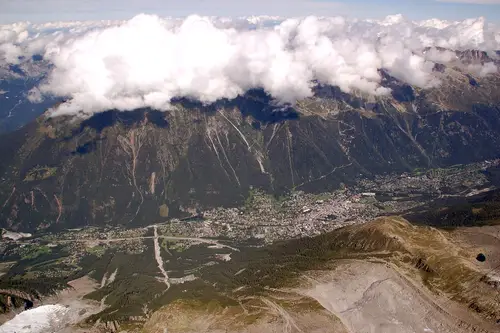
43, 319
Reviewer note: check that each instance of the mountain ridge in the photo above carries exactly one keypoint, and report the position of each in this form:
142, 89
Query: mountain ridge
121, 167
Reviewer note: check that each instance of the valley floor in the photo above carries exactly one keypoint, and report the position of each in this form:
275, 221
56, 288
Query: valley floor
388, 275
370, 294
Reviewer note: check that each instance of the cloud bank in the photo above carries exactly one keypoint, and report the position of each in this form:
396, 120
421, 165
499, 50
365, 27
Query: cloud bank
147, 61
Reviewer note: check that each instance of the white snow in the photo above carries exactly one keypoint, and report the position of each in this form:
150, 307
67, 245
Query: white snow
43, 319
435, 23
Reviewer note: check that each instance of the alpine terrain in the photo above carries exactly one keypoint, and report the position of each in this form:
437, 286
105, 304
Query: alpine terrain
362, 206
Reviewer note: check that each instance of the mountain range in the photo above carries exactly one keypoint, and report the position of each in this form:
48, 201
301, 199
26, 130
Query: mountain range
116, 205
122, 167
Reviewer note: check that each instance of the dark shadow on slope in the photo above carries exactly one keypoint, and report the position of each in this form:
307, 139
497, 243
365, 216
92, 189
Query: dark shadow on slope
17, 69
478, 210
400, 91
86, 148
193, 104
128, 119
102, 120
157, 118
334, 93
259, 105
256, 103
439, 68
473, 82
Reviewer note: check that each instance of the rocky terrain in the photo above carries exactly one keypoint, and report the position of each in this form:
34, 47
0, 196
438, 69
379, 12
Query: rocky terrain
169, 276
139, 167
378, 279
344, 212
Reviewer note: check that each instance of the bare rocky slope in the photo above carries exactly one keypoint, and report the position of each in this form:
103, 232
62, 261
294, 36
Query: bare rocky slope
384, 276
387, 275
139, 167
59, 177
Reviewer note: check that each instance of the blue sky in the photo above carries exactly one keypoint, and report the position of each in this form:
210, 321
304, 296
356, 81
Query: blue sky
65, 10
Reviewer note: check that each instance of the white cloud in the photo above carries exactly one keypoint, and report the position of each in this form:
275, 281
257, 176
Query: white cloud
10, 38
146, 61
440, 56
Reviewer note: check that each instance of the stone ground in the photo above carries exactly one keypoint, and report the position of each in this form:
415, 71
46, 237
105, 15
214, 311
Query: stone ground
375, 297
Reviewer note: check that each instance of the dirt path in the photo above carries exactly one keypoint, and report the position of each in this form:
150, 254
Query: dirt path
159, 259
289, 323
